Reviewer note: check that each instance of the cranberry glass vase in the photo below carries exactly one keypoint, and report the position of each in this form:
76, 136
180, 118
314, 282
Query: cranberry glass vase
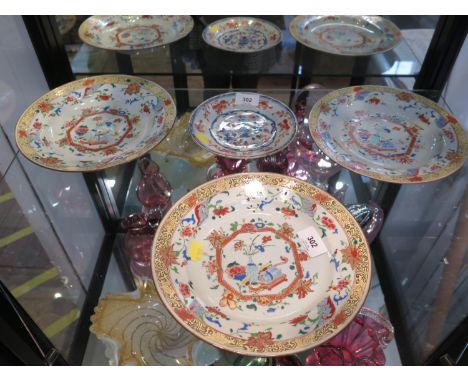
277, 163
153, 190
226, 166
308, 162
140, 229
362, 343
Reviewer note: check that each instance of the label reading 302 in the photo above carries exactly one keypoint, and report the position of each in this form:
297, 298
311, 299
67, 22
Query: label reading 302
247, 99
313, 243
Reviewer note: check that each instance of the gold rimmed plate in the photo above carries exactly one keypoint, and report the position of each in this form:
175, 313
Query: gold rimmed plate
388, 134
235, 263
133, 33
346, 35
95, 123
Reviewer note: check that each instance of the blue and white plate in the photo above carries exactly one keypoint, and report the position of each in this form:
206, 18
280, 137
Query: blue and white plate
242, 34
243, 125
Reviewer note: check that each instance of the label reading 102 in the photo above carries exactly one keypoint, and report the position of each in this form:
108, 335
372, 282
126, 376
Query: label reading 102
247, 99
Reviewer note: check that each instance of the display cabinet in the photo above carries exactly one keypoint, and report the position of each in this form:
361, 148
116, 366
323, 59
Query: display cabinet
419, 270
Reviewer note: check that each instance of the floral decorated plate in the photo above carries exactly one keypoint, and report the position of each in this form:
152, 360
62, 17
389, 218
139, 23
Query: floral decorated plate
388, 134
130, 33
242, 34
346, 35
261, 264
95, 123
243, 125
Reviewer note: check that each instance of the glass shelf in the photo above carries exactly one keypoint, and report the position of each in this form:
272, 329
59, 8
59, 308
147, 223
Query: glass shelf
185, 174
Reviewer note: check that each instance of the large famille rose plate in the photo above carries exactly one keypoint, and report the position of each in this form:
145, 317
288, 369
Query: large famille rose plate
95, 123
227, 126
132, 33
234, 262
388, 134
242, 34
346, 35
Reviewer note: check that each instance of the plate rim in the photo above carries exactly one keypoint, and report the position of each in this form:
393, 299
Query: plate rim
460, 133
83, 28
293, 30
250, 157
243, 17
22, 119
253, 176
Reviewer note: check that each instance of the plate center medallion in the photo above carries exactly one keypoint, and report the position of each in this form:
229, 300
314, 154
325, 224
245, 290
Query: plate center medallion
243, 130
382, 136
243, 39
345, 36
251, 267
99, 131
138, 35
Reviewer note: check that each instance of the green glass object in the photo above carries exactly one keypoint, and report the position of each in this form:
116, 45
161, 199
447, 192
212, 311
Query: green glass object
253, 361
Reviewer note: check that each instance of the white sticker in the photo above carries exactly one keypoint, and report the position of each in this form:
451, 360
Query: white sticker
247, 99
313, 243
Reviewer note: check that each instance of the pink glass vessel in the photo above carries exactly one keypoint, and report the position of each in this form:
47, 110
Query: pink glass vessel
140, 229
226, 166
154, 193
277, 163
153, 190
362, 343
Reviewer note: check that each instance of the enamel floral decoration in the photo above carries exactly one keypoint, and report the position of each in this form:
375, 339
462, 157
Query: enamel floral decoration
234, 266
